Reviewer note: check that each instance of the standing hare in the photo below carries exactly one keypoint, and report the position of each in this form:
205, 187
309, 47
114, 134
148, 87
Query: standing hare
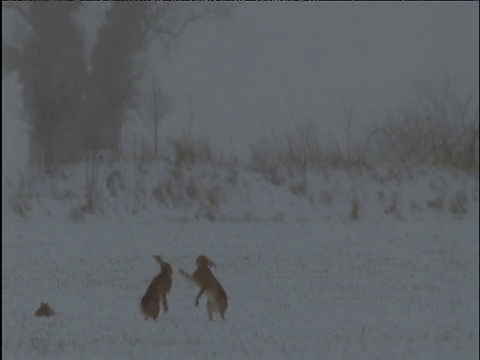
208, 283
157, 291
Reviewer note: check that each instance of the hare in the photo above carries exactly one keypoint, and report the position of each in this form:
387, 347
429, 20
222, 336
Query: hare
208, 283
44, 310
157, 291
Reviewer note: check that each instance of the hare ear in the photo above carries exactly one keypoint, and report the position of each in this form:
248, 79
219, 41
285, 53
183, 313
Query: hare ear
159, 259
211, 263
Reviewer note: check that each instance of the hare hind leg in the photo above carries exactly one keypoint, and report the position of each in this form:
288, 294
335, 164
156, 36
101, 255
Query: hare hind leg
164, 304
151, 309
211, 308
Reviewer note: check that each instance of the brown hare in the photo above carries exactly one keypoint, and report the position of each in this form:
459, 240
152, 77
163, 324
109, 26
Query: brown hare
157, 291
208, 284
44, 310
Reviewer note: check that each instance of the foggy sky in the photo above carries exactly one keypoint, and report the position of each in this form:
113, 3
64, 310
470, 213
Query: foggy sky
274, 64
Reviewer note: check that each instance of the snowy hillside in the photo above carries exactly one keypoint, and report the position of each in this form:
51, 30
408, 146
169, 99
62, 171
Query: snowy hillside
335, 264
161, 191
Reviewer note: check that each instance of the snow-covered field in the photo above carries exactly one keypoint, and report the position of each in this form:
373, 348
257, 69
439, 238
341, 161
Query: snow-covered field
349, 254
332, 289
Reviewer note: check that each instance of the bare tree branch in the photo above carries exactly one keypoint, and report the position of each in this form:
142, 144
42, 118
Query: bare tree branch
17, 8
161, 30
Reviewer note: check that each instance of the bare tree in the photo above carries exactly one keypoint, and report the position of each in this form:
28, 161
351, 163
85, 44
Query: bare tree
71, 112
50, 66
118, 62
161, 105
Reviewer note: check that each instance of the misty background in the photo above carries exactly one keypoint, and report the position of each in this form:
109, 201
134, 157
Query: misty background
236, 72
274, 64
323, 154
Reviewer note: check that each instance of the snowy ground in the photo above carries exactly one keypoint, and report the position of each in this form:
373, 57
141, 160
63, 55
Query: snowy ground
338, 289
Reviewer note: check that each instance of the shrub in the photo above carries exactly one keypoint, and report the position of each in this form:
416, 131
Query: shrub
297, 150
437, 127
19, 204
188, 151
355, 210
326, 197
19, 201
299, 189
458, 203
115, 183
